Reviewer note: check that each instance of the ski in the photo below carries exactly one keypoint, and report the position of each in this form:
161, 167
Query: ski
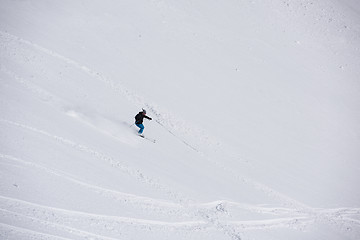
149, 139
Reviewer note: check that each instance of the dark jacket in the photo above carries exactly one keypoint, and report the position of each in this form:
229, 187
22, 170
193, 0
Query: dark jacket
140, 117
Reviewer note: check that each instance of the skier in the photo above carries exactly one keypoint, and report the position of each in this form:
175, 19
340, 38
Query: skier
139, 121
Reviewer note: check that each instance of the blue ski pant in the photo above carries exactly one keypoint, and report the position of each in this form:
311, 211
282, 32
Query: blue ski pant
141, 126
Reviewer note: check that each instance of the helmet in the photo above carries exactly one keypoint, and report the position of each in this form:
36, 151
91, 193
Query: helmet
144, 111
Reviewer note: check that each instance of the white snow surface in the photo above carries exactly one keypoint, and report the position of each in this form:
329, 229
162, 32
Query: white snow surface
255, 108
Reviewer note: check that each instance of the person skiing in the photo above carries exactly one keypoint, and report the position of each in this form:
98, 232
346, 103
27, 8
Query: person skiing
139, 120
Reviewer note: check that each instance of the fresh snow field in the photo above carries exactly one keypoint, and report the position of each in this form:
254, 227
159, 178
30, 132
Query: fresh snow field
255, 107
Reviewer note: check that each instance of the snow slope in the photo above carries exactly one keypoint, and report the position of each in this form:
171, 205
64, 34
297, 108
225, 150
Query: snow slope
255, 108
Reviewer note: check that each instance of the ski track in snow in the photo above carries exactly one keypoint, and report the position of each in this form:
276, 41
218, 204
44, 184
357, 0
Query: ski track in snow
155, 204
343, 219
52, 217
10, 231
50, 226
206, 210
134, 173
139, 201
137, 174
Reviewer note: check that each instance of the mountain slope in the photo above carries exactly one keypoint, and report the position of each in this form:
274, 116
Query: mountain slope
255, 120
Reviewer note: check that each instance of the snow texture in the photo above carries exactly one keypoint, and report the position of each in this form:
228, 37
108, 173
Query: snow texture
255, 131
